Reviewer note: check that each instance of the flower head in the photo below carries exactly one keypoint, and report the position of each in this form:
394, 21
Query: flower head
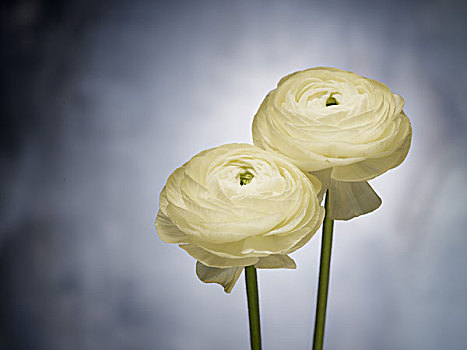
343, 128
238, 205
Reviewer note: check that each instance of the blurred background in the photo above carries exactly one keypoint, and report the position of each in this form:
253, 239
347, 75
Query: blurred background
102, 100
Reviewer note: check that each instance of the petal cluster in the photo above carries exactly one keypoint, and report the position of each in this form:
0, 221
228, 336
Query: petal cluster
238, 205
344, 128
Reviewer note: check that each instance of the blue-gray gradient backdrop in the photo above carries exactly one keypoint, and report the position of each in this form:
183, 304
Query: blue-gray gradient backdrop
102, 100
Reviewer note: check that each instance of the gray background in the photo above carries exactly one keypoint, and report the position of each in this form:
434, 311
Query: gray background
101, 101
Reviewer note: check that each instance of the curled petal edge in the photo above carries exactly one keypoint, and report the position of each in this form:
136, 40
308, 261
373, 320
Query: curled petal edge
168, 232
226, 277
315, 182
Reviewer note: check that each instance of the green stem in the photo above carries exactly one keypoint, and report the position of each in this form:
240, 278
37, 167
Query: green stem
253, 307
324, 268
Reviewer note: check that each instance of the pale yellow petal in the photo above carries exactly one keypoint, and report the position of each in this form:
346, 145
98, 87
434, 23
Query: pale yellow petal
226, 277
317, 184
324, 176
276, 261
312, 232
351, 199
378, 164
168, 232
210, 259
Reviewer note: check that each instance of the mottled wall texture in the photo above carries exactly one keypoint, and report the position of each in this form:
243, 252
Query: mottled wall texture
102, 100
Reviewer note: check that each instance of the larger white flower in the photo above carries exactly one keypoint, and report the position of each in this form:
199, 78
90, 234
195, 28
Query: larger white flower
237, 205
341, 127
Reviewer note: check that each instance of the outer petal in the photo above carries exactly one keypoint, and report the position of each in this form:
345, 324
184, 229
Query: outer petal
351, 199
167, 231
324, 177
315, 181
377, 165
276, 261
225, 277
305, 239
212, 260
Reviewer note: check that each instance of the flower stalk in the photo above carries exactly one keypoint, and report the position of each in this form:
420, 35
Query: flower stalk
323, 284
253, 307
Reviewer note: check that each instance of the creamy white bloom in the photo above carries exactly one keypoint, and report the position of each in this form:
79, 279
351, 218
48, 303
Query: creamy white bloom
343, 128
237, 205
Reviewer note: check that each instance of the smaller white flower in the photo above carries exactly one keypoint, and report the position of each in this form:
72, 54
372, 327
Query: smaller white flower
237, 205
343, 128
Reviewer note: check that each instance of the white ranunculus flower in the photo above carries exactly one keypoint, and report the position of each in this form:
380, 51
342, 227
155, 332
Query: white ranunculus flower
343, 128
237, 205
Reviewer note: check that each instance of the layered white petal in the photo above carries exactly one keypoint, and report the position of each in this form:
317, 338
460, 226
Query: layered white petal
238, 205
338, 124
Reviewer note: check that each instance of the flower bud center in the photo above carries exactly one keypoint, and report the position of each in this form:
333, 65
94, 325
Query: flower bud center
331, 101
246, 177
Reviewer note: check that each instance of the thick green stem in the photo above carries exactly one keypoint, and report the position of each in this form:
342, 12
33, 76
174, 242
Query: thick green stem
253, 307
324, 268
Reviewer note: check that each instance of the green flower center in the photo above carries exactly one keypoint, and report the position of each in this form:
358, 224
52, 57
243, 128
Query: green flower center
331, 101
246, 177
